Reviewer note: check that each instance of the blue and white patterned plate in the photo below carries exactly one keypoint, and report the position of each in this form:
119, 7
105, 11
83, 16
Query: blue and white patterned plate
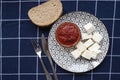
62, 56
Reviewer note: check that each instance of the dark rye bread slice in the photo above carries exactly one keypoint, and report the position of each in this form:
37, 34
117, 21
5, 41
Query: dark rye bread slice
46, 13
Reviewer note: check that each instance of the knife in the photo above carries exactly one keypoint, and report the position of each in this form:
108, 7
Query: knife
46, 51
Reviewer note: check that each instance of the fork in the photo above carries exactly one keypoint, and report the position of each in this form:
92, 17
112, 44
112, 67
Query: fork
38, 51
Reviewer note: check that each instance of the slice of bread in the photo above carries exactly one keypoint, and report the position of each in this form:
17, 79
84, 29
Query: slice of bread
46, 13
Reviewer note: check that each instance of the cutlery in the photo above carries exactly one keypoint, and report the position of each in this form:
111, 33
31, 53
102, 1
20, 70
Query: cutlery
38, 51
46, 51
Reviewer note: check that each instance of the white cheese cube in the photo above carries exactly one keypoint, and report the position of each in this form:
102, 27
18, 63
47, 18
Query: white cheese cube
88, 43
94, 47
94, 55
87, 54
97, 37
89, 27
86, 36
81, 47
76, 53
97, 51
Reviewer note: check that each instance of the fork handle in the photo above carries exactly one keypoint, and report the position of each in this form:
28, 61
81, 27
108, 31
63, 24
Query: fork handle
48, 77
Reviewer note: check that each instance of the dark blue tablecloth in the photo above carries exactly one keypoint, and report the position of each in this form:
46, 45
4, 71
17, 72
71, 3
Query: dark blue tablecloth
18, 60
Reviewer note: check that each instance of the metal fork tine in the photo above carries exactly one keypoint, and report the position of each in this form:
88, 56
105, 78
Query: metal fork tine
33, 43
37, 45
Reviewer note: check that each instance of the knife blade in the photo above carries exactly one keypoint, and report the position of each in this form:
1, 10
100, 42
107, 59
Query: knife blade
46, 51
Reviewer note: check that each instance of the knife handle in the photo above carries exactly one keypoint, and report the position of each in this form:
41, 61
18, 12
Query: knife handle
48, 77
52, 66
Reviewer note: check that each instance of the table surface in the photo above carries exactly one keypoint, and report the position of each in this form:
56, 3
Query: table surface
18, 60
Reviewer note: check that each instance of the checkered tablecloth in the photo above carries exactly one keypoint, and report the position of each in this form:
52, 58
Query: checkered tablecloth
18, 60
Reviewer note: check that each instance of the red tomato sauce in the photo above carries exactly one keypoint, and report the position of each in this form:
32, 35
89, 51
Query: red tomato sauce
68, 34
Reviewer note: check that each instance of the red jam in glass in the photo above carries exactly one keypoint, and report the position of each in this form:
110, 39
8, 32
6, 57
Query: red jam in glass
68, 34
